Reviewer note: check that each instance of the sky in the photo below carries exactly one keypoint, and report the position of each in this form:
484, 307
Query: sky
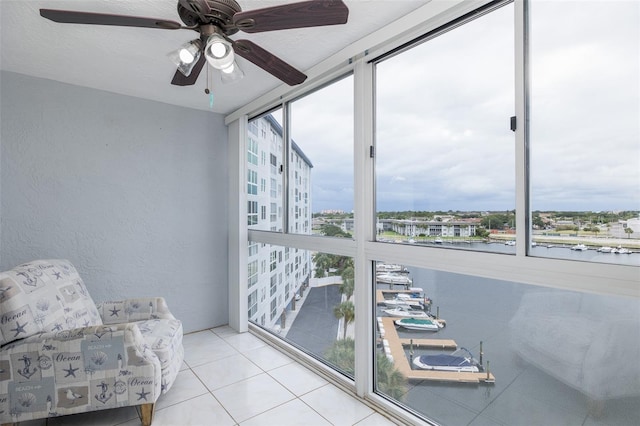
442, 117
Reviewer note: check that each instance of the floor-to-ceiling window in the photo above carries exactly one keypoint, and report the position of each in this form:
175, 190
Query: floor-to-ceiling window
313, 148
442, 165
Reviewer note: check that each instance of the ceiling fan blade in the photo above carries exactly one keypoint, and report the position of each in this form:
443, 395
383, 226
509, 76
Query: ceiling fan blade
268, 62
74, 17
312, 13
180, 79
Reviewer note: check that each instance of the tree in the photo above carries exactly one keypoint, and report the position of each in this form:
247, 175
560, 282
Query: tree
342, 355
347, 285
390, 380
628, 231
347, 312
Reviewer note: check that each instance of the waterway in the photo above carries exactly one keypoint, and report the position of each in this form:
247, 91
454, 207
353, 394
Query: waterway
554, 251
478, 309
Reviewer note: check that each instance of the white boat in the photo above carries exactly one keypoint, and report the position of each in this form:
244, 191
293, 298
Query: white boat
395, 279
510, 243
605, 249
579, 247
415, 296
460, 361
419, 324
401, 301
385, 268
406, 312
621, 250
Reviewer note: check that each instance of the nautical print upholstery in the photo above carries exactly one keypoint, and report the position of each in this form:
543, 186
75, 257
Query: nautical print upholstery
129, 357
162, 332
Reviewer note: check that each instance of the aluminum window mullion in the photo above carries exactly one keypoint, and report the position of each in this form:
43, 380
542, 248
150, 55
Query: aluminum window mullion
523, 211
364, 214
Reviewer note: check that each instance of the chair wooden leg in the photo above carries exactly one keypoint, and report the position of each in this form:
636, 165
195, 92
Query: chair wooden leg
146, 414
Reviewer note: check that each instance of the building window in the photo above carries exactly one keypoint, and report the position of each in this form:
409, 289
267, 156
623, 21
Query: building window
252, 213
252, 182
252, 152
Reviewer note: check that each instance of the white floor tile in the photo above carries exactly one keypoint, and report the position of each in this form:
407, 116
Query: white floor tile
224, 330
226, 371
186, 386
293, 413
200, 411
375, 419
297, 378
336, 406
244, 342
203, 347
253, 396
268, 358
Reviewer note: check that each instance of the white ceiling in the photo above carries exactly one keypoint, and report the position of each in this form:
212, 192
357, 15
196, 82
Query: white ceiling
133, 61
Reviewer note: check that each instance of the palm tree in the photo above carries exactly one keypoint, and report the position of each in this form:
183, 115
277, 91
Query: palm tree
345, 311
390, 380
628, 231
347, 285
342, 354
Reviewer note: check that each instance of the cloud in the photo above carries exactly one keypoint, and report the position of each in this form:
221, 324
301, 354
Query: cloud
443, 107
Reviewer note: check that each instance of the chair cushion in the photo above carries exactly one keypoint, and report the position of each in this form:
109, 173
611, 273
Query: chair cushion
41, 296
164, 336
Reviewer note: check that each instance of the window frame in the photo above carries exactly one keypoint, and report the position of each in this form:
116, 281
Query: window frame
358, 59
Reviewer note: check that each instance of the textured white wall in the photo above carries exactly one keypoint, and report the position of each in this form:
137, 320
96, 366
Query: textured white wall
131, 191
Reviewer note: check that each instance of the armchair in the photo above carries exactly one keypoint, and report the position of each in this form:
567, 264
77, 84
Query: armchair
61, 354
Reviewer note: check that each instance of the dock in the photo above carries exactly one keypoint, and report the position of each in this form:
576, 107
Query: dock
397, 345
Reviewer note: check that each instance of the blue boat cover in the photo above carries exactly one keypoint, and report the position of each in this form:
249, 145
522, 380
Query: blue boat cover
445, 360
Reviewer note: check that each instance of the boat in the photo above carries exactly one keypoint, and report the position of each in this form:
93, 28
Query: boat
621, 250
459, 361
419, 324
510, 243
579, 247
403, 301
605, 249
394, 279
385, 268
406, 312
414, 297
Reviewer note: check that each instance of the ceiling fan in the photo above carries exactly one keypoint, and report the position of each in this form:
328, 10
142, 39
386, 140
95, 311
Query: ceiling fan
216, 20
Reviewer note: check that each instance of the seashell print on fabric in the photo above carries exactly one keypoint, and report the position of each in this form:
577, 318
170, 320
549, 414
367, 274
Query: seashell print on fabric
99, 358
26, 399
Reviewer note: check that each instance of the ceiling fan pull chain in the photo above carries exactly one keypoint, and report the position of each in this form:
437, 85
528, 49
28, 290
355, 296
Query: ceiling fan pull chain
211, 100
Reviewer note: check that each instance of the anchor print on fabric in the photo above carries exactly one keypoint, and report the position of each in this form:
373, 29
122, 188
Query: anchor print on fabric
26, 372
28, 280
102, 396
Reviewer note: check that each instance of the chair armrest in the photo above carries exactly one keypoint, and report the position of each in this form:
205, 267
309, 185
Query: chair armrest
131, 310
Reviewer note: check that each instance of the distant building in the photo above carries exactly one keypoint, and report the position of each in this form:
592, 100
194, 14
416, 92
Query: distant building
429, 228
275, 274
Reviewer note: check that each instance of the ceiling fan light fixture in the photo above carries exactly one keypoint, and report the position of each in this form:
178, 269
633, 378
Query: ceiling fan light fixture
186, 56
219, 52
231, 74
